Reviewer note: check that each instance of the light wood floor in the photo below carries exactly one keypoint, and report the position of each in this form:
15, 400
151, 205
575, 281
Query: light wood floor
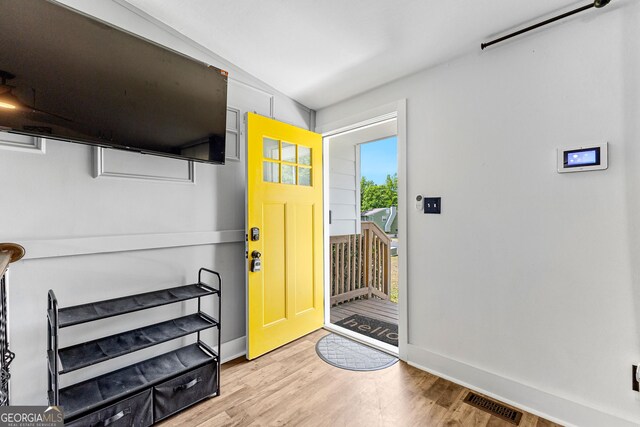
292, 386
374, 308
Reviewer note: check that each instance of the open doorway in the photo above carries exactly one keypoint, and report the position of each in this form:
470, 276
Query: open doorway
363, 233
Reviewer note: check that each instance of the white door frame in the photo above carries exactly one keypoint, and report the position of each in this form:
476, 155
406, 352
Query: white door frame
398, 110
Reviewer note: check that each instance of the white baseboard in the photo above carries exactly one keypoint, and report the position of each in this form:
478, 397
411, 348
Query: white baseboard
233, 349
529, 399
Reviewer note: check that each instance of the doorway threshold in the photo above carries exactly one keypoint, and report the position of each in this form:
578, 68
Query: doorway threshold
371, 342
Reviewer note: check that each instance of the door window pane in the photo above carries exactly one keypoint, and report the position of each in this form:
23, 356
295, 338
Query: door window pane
305, 176
270, 149
288, 152
288, 174
304, 155
271, 172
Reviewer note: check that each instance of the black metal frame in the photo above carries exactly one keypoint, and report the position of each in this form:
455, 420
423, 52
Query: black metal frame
53, 327
200, 342
6, 355
53, 392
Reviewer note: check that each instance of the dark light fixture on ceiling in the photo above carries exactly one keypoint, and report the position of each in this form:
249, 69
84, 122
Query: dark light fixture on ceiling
596, 3
8, 101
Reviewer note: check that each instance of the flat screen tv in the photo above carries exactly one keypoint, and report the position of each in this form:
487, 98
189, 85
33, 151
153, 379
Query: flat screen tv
67, 76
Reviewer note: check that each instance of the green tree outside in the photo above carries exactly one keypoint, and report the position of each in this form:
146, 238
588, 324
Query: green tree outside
378, 195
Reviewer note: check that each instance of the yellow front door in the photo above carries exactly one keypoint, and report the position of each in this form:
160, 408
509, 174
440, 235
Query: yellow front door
284, 220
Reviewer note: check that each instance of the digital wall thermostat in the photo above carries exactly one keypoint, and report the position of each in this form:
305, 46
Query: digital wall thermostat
581, 159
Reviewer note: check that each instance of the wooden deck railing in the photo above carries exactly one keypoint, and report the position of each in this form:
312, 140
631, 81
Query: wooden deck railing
360, 264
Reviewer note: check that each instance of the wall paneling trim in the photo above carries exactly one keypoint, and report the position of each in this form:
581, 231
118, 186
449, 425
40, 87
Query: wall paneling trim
37, 249
233, 134
11, 141
111, 163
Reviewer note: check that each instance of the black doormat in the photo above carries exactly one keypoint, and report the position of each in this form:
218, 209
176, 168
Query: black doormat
373, 328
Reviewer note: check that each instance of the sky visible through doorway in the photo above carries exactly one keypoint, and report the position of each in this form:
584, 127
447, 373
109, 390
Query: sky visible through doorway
379, 159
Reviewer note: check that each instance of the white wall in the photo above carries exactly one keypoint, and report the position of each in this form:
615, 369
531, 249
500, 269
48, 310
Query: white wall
527, 285
91, 238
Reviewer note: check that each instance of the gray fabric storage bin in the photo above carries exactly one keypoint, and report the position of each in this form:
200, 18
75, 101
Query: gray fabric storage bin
185, 390
132, 412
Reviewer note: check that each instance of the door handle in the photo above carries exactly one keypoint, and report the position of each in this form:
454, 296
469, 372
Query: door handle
188, 385
256, 264
113, 419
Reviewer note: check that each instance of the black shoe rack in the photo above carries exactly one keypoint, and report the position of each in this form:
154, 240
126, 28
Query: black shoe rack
145, 392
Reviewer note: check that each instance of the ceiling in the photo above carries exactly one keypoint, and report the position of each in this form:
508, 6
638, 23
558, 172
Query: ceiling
320, 52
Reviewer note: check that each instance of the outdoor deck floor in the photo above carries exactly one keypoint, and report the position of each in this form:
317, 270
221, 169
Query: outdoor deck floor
374, 308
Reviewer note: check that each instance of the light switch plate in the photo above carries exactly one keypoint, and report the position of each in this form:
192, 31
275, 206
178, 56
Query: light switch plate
432, 205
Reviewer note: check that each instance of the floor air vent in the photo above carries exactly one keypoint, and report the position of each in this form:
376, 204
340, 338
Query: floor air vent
494, 408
